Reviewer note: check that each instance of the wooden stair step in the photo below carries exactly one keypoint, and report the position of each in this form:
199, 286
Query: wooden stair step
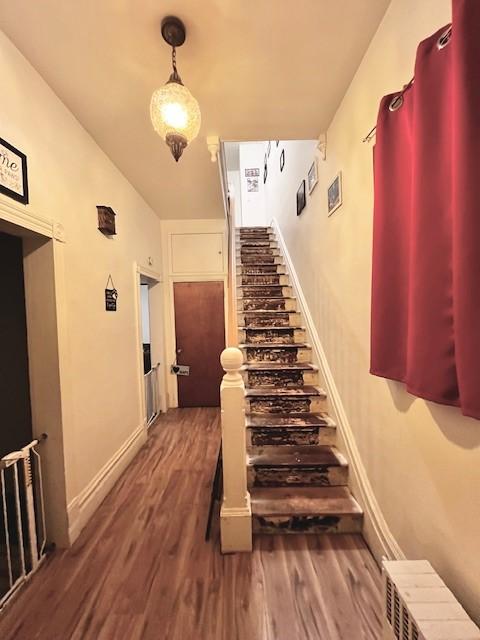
274, 345
292, 456
290, 420
279, 366
267, 327
267, 392
303, 501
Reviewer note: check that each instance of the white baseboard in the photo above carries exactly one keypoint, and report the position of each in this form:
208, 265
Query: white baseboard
376, 530
83, 506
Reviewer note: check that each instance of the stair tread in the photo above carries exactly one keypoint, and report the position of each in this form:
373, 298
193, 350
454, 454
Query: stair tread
295, 456
259, 284
266, 311
295, 420
255, 392
276, 501
279, 366
259, 327
274, 345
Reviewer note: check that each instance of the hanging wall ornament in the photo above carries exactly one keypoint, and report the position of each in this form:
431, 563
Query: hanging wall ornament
111, 295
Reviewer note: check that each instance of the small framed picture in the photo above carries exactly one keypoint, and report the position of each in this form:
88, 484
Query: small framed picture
301, 198
252, 184
13, 172
282, 159
252, 173
335, 194
312, 176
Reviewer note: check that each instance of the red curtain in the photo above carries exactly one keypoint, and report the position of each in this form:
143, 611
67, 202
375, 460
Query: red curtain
426, 245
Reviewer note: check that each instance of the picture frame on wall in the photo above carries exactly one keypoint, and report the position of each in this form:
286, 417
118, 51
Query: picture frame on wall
312, 176
335, 196
301, 198
13, 172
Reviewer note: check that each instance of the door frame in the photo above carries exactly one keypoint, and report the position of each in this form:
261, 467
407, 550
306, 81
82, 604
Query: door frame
51, 391
171, 354
157, 332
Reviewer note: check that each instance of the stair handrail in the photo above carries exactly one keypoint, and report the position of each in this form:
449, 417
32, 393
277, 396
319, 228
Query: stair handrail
236, 512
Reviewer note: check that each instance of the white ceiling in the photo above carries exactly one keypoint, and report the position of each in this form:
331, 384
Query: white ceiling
263, 69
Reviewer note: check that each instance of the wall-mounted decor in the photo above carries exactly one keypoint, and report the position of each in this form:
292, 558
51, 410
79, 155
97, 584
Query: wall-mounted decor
106, 220
269, 148
335, 194
252, 173
282, 159
301, 198
252, 184
111, 295
265, 173
277, 142
13, 172
312, 176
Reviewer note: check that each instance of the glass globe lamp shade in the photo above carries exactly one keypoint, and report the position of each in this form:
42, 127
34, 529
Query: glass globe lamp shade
175, 116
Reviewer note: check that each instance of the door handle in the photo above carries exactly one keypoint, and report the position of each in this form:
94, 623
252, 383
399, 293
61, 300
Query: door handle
179, 351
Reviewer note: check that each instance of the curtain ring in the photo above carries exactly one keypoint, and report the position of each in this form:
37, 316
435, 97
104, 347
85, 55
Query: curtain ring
444, 39
396, 103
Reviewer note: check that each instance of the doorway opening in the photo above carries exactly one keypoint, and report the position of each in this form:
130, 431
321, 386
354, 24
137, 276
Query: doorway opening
33, 502
151, 339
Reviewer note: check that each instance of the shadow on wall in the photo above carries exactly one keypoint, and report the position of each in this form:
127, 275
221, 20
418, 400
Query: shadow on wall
462, 432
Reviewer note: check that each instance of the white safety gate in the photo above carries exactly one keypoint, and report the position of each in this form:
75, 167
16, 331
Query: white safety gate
152, 396
22, 519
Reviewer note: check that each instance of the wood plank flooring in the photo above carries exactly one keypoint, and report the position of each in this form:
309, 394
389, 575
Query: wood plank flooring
142, 571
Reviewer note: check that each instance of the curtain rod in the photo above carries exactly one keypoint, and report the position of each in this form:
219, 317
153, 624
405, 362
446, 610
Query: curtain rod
397, 101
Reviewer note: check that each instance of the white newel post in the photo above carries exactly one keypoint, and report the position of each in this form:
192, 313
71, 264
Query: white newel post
236, 513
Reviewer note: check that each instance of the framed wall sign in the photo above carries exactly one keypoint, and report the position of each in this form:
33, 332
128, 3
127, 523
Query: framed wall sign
111, 295
13, 172
335, 194
312, 176
301, 198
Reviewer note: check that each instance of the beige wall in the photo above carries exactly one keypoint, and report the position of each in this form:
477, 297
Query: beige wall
68, 176
422, 459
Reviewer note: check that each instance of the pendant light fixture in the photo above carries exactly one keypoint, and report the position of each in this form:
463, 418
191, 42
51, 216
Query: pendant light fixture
174, 112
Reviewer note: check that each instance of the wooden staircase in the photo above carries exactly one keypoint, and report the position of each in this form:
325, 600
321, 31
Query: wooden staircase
296, 476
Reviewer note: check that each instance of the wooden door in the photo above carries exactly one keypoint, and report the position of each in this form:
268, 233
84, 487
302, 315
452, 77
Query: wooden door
200, 339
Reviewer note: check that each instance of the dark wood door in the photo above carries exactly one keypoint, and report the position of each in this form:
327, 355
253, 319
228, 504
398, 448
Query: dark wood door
200, 339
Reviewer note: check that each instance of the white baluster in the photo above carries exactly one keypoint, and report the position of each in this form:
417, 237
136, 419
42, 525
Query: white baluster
236, 513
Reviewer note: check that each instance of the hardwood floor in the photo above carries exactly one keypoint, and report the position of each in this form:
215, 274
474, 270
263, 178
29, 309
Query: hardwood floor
141, 568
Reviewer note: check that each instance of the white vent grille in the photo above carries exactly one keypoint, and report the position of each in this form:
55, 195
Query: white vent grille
419, 606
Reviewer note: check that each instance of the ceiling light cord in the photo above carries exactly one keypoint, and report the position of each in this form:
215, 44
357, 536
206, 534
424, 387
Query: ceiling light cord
174, 77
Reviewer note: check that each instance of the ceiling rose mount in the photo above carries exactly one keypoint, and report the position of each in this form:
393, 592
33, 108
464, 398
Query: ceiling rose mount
174, 112
173, 31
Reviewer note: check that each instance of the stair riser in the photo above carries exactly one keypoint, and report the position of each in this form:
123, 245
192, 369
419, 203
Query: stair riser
276, 354
266, 320
254, 243
264, 291
258, 437
286, 476
307, 524
257, 251
278, 379
266, 304
254, 259
265, 279
262, 269
285, 404
277, 336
